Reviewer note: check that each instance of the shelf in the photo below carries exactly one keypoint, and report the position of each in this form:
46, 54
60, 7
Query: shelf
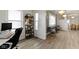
29, 26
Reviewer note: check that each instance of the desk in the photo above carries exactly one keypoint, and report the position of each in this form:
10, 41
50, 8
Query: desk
5, 39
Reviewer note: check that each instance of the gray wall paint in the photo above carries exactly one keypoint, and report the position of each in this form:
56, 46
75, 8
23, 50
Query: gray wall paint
3, 16
42, 25
47, 19
23, 31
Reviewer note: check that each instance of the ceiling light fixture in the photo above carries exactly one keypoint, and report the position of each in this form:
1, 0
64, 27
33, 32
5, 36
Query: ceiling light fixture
61, 12
64, 15
72, 17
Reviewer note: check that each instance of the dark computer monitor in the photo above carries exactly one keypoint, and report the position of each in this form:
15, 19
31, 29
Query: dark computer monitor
6, 26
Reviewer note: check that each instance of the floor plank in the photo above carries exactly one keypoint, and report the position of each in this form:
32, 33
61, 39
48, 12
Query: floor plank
62, 40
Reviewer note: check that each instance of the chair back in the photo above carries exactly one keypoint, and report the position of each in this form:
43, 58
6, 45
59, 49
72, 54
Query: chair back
15, 39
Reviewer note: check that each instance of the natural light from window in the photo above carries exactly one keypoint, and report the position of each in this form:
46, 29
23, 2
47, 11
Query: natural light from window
52, 20
14, 17
36, 21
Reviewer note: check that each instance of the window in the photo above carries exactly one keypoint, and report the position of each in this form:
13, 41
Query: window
14, 17
36, 21
68, 21
52, 20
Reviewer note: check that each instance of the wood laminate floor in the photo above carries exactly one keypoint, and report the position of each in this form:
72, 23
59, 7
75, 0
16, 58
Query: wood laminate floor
62, 40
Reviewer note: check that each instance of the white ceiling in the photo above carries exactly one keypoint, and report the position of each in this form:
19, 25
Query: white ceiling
70, 13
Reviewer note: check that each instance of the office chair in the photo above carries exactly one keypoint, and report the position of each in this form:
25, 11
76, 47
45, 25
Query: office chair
10, 44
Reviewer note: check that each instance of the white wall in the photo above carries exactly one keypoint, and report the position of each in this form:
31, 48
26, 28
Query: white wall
41, 32
75, 20
3, 16
23, 31
62, 22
